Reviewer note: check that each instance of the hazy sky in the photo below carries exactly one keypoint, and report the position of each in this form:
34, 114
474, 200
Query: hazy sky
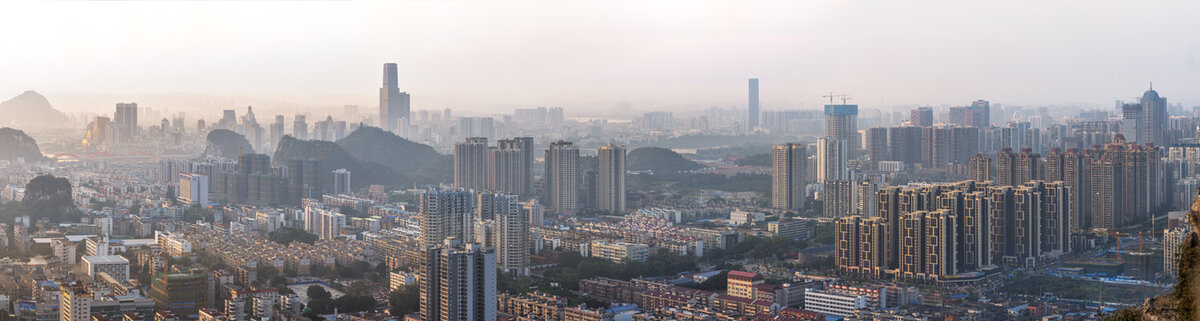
494, 55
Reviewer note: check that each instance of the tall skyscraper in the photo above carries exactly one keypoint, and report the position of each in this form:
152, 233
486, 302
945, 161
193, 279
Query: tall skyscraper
984, 110
789, 166
941, 230
512, 235
1154, 119
610, 189
877, 146
832, 155
300, 128
341, 181
1124, 183
276, 132
445, 213
305, 179
1173, 238
980, 168
470, 163
1028, 167
510, 166
393, 104
921, 116
562, 177
1006, 166
841, 122
752, 119
126, 121
459, 282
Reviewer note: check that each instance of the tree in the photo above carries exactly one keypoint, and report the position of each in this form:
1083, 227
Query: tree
404, 300
354, 303
197, 213
317, 292
288, 235
278, 281
171, 195
49, 197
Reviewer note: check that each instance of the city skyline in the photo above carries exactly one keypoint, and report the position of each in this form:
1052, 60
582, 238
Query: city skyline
657, 56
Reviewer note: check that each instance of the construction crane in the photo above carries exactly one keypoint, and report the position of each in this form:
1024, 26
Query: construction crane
1141, 236
843, 97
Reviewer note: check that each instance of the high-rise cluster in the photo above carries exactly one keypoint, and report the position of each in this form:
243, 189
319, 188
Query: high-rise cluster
936, 232
931, 147
1112, 185
506, 167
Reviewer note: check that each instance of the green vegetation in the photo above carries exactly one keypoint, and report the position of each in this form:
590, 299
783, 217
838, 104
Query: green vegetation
823, 233
356, 299
1082, 289
716, 283
413, 163
755, 160
659, 161
406, 300
756, 247
46, 196
287, 235
197, 213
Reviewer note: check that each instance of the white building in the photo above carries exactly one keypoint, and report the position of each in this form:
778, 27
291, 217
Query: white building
193, 188
1172, 238
841, 303
739, 217
115, 265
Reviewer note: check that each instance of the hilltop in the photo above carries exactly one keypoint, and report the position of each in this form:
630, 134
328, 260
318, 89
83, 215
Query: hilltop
417, 163
227, 144
31, 109
659, 160
334, 157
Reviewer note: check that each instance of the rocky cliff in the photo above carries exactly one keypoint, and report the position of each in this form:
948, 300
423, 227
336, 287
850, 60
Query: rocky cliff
1181, 304
15, 144
226, 144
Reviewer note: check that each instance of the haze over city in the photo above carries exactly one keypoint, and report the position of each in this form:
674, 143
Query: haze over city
599, 161
481, 56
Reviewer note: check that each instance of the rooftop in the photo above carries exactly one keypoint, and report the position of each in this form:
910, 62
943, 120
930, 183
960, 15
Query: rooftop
106, 259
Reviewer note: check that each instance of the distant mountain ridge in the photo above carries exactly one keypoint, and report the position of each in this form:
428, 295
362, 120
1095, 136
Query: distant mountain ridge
31, 110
